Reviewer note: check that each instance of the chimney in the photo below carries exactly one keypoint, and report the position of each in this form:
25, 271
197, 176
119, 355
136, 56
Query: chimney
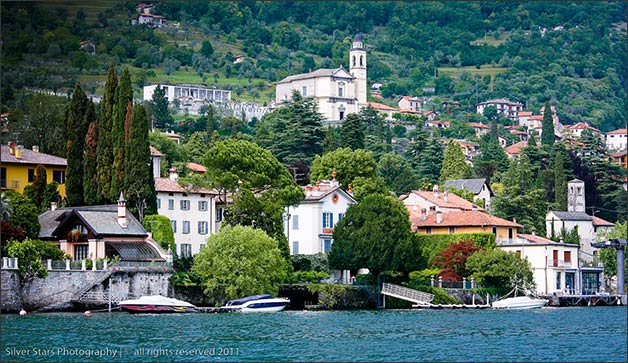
53, 206
122, 211
334, 182
18, 151
173, 173
11, 148
317, 189
350, 189
439, 217
446, 196
36, 148
308, 191
423, 214
435, 191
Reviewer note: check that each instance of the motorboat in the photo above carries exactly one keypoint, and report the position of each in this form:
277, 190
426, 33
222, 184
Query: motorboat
156, 304
519, 302
265, 303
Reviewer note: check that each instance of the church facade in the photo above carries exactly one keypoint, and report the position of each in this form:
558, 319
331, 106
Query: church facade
337, 91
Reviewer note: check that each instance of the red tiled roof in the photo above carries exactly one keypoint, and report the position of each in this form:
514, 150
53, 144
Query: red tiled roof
581, 126
619, 154
31, 157
535, 238
478, 125
524, 113
405, 110
381, 106
536, 117
597, 221
197, 167
460, 219
453, 201
617, 132
516, 148
155, 152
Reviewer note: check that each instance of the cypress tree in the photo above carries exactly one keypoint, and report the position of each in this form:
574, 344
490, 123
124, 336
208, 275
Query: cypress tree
39, 185
122, 112
139, 183
104, 148
431, 161
454, 166
90, 164
547, 135
561, 174
75, 130
351, 134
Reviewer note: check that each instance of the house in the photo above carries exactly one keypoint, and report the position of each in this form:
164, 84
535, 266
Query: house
515, 149
238, 59
172, 136
144, 8
617, 140
155, 21
195, 168
575, 217
385, 110
18, 168
523, 136
410, 103
155, 158
192, 212
376, 86
470, 149
337, 91
504, 107
99, 231
310, 225
192, 96
575, 131
523, 117
436, 201
482, 192
555, 266
503, 142
438, 124
620, 159
463, 221
88, 46
479, 128
429, 115
532, 122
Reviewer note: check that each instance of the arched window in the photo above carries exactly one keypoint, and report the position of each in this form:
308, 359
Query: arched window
361, 62
354, 61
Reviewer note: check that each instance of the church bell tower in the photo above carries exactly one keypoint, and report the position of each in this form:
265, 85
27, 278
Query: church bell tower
575, 196
357, 68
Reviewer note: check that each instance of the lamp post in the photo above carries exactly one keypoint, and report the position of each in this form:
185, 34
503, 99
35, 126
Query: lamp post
619, 244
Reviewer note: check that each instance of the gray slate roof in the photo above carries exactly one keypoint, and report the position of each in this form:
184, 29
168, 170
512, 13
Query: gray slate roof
31, 157
472, 185
100, 219
573, 216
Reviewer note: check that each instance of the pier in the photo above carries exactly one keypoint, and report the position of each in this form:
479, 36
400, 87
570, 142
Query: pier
586, 300
422, 300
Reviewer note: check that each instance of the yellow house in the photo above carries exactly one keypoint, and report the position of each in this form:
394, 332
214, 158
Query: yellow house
463, 222
17, 168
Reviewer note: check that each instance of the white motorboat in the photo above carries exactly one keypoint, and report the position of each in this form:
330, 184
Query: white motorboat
519, 302
157, 304
265, 303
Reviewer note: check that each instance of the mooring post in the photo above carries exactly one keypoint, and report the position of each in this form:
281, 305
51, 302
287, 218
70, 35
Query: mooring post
620, 270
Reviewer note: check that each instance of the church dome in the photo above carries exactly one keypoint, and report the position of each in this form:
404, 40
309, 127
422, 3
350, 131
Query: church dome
358, 38
358, 42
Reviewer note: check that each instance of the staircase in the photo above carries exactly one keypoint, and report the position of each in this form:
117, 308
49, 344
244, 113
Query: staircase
86, 290
404, 293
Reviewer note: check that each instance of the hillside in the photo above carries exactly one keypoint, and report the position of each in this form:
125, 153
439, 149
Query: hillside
571, 54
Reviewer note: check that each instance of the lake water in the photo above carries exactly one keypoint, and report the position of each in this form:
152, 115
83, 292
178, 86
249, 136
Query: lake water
579, 334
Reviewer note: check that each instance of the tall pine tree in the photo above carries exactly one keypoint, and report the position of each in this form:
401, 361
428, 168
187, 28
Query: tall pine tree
160, 117
330, 142
104, 147
454, 165
75, 130
90, 164
547, 132
139, 182
122, 112
351, 132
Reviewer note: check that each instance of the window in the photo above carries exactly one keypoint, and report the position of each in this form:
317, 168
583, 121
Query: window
171, 204
186, 250
3, 177
186, 227
326, 245
328, 220
80, 252
567, 257
452, 230
202, 227
428, 230
295, 222
341, 115
558, 280
354, 61
218, 214
341, 91
185, 204
202, 205
295, 247
174, 226
495, 230
509, 233
31, 175
518, 252
340, 216
304, 91
158, 203
361, 63
58, 176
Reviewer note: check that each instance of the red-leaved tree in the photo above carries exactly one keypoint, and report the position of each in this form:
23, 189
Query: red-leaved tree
453, 259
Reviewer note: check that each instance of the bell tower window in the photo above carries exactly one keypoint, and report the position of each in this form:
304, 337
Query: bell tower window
354, 61
361, 64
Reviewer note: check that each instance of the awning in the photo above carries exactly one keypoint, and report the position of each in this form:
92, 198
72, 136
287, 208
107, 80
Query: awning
132, 251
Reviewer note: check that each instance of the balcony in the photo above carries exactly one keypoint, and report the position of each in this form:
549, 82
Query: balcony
9, 184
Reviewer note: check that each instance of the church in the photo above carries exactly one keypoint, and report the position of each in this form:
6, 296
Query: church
337, 92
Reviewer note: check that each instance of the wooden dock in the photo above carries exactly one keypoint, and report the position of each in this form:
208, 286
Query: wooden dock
587, 300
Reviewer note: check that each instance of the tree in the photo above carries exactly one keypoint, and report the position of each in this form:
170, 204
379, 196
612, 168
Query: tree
452, 260
139, 182
104, 148
561, 176
348, 164
500, 269
547, 131
161, 230
397, 173
39, 186
207, 49
122, 113
30, 253
373, 234
196, 147
609, 255
430, 162
90, 165
331, 141
454, 166
75, 127
351, 132
240, 261
160, 114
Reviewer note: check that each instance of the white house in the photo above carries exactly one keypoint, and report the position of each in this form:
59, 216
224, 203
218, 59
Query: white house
482, 192
504, 107
410, 103
337, 91
189, 93
575, 218
575, 131
617, 140
555, 265
192, 212
310, 224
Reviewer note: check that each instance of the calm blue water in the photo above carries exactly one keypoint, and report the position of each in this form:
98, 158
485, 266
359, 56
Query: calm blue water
595, 334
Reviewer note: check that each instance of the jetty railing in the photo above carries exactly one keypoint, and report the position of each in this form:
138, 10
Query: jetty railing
12, 263
405, 293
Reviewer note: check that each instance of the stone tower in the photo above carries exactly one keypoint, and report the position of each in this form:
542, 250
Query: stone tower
357, 68
575, 196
